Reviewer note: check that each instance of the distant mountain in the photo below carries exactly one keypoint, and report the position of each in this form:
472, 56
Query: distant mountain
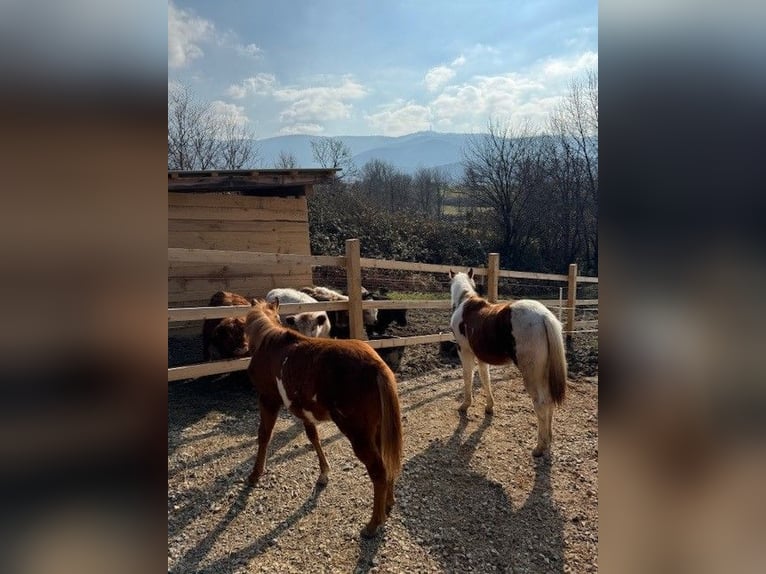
407, 153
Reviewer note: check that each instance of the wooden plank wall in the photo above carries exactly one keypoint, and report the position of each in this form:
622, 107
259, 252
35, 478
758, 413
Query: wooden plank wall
235, 223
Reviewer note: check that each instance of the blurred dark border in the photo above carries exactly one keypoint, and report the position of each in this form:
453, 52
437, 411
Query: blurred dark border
83, 398
83, 241
681, 332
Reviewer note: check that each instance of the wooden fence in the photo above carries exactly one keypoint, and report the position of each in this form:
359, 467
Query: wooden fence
353, 264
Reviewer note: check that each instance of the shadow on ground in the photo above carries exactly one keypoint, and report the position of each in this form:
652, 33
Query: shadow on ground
528, 538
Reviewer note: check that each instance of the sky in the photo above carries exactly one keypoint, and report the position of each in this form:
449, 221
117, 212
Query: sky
360, 67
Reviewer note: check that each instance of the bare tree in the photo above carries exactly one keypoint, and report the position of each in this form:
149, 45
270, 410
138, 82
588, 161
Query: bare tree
576, 120
429, 189
286, 160
237, 150
332, 153
184, 114
200, 138
574, 124
502, 171
384, 185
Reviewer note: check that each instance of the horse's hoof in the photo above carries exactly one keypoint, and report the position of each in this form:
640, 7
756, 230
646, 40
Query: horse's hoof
323, 480
489, 410
464, 407
369, 531
252, 480
538, 452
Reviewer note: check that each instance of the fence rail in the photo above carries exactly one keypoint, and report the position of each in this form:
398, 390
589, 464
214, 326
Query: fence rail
353, 264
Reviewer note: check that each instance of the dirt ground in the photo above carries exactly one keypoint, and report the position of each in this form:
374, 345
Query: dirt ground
470, 498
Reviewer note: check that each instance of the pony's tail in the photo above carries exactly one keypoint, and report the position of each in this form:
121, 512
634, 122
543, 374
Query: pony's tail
557, 361
390, 424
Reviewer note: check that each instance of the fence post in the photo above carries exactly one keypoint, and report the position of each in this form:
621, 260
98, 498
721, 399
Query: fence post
493, 266
571, 300
354, 289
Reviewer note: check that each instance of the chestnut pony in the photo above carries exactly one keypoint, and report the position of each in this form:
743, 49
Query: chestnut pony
224, 337
522, 331
327, 379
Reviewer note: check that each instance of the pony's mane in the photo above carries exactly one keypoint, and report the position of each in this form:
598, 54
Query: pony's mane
260, 328
461, 288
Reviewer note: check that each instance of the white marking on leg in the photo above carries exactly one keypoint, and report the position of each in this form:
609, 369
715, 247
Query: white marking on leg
485, 383
310, 417
281, 388
282, 393
314, 399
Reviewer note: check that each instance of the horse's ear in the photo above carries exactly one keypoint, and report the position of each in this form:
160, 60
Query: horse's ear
275, 304
451, 274
470, 273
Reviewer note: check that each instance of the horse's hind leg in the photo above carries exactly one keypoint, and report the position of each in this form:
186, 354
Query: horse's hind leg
390, 500
467, 359
536, 383
484, 376
370, 456
311, 432
544, 411
269, 413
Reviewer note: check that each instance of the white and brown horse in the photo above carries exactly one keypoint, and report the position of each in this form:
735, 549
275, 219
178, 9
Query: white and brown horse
339, 319
327, 379
524, 332
311, 323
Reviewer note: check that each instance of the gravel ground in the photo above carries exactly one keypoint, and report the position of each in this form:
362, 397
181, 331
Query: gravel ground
470, 498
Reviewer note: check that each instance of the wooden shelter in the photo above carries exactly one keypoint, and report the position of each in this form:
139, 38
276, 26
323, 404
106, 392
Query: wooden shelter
239, 210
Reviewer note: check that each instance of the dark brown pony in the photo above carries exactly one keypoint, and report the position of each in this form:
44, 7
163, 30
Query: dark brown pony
226, 337
327, 379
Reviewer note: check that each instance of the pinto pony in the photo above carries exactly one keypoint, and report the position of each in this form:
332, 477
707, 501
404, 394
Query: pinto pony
339, 319
524, 332
311, 324
327, 379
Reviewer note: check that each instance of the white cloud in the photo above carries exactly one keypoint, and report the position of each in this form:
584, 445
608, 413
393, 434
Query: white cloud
568, 68
457, 102
517, 97
309, 106
260, 84
302, 129
306, 108
348, 89
310, 109
230, 112
438, 77
185, 34
400, 118
466, 107
459, 61
250, 50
